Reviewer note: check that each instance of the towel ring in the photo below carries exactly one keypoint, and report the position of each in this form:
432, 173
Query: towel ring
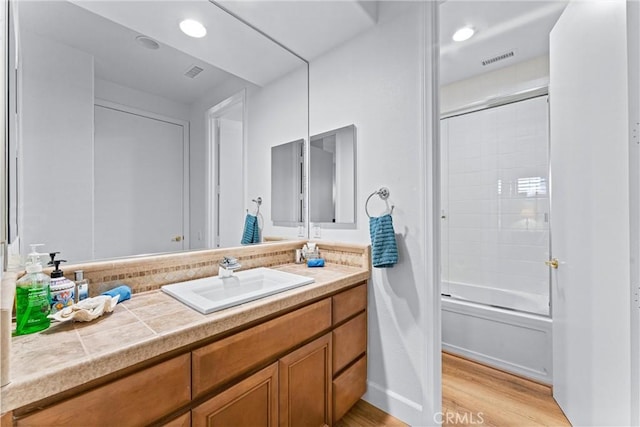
384, 193
258, 202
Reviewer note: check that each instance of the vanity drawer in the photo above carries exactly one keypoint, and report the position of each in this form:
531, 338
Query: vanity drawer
183, 420
349, 341
137, 399
349, 302
348, 387
226, 359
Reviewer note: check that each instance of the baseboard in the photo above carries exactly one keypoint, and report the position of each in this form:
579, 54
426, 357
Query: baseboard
393, 404
503, 365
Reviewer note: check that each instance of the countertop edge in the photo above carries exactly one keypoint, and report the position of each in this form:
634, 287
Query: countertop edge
32, 389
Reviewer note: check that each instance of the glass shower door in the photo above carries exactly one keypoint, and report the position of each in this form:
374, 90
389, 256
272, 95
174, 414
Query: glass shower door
495, 201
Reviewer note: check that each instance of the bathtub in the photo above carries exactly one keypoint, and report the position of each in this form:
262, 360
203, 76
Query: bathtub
509, 340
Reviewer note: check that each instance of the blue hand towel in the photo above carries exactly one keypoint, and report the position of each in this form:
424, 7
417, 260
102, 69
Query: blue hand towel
384, 251
315, 262
124, 291
251, 232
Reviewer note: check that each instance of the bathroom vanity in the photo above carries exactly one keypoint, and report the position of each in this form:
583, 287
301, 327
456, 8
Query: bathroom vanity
294, 358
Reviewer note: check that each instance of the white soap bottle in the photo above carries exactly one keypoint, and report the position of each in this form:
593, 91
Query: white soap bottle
62, 289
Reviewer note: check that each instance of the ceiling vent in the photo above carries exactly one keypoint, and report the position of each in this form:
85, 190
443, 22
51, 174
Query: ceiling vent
497, 58
193, 71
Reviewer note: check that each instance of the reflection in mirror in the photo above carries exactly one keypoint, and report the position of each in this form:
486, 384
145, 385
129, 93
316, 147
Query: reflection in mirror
131, 137
287, 183
332, 177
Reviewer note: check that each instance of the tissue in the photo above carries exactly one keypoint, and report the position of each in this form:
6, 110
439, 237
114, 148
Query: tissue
87, 309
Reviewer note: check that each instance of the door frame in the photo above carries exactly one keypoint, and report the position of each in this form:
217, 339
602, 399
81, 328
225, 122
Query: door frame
212, 208
185, 160
633, 52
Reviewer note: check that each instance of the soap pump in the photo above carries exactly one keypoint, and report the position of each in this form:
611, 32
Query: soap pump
62, 289
32, 296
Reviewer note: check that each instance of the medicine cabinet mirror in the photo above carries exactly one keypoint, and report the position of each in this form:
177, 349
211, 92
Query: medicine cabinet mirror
287, 183
129, 137
332, 178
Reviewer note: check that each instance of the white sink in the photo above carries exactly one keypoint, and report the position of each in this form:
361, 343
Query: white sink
216, 293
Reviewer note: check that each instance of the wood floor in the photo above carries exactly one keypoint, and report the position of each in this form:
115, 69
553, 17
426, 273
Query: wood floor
500, 399
474, 395
364, 414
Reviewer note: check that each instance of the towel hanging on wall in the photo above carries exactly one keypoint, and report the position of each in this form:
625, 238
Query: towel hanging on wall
251, 233
384, 250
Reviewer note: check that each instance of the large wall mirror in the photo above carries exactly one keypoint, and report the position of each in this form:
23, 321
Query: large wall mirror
332, 178
128, 136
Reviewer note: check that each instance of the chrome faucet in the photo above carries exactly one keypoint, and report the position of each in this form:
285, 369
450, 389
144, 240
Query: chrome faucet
227, 266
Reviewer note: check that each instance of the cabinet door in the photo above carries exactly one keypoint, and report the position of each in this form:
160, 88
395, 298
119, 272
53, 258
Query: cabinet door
134, 400
252, 402
305, 385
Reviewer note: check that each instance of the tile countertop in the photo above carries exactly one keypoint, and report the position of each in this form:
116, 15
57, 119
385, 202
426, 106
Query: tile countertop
152, 323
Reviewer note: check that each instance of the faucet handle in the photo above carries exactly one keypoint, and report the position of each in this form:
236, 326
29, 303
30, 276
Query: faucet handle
228, 261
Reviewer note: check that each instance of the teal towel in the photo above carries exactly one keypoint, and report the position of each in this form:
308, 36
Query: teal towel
251, 232
123, 291
315, 262
384, 250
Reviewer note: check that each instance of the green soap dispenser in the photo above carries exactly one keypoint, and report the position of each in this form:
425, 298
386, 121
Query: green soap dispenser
32, 297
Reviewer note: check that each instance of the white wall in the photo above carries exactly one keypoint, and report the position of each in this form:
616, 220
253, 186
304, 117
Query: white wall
277, 114
519, 77
138, 99
57, 141
378, 81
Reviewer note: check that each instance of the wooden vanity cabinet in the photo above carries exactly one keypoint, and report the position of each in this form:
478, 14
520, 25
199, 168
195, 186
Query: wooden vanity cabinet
306, 367
134, 400
223, 360
305, 384
251, 402
349, 349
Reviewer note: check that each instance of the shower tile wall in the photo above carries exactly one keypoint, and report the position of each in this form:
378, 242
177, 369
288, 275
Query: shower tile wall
496, 202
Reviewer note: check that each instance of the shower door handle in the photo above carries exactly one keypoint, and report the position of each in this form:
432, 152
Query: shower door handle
553, 263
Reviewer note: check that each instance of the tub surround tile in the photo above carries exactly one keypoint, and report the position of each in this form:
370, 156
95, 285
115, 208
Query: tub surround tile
153, 323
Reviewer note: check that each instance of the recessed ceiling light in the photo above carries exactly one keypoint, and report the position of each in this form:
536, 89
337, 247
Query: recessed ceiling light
464, 33
193, 28
148, 42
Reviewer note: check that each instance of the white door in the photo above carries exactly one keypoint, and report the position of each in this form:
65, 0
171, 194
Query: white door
139, 177
590, 213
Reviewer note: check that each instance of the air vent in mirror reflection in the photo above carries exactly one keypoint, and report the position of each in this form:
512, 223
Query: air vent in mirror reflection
497, 58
